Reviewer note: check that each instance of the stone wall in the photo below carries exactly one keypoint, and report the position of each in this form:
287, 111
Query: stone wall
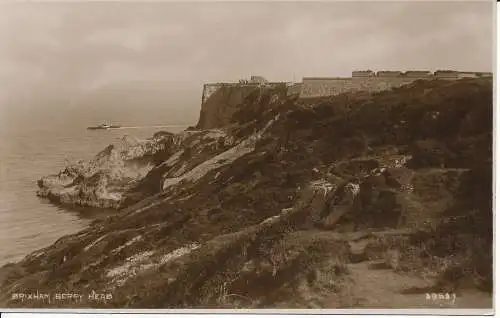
374, 82
217, 109
209, 89
317, 86
294, 89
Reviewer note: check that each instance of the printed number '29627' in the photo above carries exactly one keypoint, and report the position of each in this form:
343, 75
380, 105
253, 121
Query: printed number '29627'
448, 297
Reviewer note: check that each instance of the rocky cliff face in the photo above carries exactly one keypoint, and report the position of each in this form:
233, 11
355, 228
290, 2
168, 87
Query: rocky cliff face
290, 205
218, 109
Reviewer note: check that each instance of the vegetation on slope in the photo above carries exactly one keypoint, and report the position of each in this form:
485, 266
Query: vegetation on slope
288, 199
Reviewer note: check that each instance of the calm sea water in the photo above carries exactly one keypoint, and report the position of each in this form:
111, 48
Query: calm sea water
33, 145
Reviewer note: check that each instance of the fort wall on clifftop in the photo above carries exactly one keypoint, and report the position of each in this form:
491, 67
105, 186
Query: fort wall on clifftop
221, 100
368, 81
374, 82
209, 89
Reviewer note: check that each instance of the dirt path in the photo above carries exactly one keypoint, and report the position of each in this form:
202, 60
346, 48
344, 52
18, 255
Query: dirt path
384, 288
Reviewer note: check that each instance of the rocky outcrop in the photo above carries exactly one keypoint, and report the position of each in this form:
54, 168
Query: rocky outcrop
132, 170
218, 108
100, 182
274, 209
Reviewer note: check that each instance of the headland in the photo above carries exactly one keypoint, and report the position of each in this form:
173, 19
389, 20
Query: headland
377, 200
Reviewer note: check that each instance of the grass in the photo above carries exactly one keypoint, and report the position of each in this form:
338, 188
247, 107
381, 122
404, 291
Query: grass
455, 261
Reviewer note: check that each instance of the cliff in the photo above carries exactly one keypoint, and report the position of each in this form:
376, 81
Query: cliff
346, 201
221, 101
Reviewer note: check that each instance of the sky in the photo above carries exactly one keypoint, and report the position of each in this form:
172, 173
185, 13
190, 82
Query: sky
161, 53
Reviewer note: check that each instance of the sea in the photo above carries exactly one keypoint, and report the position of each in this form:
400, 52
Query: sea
37, 142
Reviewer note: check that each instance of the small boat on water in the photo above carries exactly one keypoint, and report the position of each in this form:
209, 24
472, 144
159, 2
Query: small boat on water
103, 126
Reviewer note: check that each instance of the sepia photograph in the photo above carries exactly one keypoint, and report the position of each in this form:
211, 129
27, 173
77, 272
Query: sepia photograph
247, 155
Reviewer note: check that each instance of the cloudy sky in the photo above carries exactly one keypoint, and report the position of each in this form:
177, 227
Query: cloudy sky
78, 49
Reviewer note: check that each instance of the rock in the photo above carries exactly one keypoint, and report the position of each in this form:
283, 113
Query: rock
392, 258
217, 110
208, 216
103, 181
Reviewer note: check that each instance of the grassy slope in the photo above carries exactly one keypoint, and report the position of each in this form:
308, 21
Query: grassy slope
295, 261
